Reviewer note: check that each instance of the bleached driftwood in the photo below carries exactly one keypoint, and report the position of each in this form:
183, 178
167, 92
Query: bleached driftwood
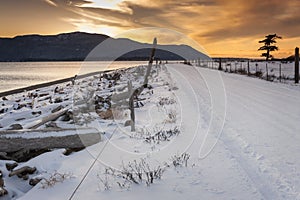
48, 118
120, 96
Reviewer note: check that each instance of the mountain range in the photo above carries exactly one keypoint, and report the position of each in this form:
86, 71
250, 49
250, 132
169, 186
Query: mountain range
79, 46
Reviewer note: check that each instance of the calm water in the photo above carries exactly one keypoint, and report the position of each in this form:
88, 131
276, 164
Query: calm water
20, 74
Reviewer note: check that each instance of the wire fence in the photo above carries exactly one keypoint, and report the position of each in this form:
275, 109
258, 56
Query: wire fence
280, 71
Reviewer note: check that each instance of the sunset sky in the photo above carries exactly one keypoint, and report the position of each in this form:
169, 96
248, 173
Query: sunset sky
227, 28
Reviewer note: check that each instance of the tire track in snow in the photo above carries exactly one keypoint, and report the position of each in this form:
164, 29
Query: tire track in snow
263, 102
269, 181
273, 102
265, 166
275, 119
258, 182
252, 82
255, 103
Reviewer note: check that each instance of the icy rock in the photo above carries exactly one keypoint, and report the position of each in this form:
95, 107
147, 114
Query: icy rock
34, 181
2, 190
11, 166
128, 123
16, 127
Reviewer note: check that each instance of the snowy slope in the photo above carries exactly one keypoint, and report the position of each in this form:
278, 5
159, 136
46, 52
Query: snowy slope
241, 133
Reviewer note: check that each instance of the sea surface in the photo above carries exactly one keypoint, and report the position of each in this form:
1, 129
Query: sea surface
15, 75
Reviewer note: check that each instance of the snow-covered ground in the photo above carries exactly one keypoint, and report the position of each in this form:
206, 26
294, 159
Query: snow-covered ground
274, 68
239, 135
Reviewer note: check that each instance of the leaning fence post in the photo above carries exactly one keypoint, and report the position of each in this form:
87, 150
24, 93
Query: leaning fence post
131, 105
135, 93
296, 65
150, 62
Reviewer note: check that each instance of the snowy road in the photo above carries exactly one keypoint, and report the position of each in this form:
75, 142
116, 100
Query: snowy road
242, 134
260, 137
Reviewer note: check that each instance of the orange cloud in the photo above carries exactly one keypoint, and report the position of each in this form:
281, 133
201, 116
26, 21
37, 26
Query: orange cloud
228, 28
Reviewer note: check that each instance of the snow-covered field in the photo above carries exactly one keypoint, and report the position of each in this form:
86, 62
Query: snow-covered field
200, 134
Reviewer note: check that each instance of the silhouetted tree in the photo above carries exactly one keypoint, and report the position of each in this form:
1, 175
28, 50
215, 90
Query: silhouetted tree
268, 45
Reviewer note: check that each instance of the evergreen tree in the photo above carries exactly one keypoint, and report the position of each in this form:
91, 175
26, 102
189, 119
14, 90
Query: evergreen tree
269, 46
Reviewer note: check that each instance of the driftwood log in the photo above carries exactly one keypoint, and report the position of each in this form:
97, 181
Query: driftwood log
69, 151
48, 118
21, 149
12, 140
23, 172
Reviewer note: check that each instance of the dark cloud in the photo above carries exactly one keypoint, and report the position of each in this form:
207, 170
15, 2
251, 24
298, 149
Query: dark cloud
71, 2
171, 14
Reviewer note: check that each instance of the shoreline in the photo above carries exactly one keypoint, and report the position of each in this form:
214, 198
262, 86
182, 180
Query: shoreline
47, 84
17, 75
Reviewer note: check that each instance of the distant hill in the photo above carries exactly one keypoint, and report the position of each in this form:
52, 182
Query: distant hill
77, 46
290, 58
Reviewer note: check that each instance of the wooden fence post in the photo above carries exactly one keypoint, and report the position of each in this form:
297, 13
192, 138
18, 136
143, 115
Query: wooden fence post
267, 71
256, 66
235, 64
135, 93
279, 72
248, 68
296, 65
220, 64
